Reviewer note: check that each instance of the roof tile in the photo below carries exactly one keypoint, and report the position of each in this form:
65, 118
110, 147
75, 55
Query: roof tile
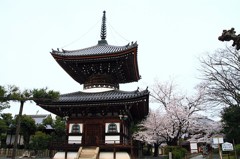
101, 96
95, 50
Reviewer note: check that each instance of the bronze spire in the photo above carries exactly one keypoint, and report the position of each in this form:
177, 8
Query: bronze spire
103, 30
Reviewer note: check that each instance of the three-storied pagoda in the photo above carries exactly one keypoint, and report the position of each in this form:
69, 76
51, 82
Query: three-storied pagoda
101, 114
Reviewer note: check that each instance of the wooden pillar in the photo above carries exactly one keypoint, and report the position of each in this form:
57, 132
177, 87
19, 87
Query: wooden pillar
66, 154
132, 154
114, 151
121, 132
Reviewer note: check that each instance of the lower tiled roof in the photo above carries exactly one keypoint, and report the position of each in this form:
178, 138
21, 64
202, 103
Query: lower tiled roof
113, 101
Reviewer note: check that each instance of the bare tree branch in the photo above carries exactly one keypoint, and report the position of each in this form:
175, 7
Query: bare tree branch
220, 73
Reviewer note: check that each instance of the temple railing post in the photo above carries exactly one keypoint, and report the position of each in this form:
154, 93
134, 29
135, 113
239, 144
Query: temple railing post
65, 154
132, 154
114, 150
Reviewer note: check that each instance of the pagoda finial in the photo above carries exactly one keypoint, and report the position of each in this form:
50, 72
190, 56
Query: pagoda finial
103, 40
103, 29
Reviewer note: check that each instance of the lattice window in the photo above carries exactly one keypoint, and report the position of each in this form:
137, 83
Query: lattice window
112, 128
76, 128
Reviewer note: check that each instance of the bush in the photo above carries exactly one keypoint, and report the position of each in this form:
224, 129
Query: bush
147, 150
3, 140
39, 141
237, 147
177, 152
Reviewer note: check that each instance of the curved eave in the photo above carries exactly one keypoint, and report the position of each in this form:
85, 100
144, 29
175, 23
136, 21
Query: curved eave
65, 62
99, 98
139, 104
98, 56
94, 103
99, 49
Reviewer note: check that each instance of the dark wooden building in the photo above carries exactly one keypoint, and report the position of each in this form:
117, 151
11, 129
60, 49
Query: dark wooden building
101, 114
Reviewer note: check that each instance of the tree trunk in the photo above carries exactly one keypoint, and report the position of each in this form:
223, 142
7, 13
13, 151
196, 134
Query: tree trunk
156, 150
173, 142
17, 130
149, 149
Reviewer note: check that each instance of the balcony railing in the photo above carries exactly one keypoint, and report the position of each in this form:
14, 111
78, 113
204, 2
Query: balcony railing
104, 144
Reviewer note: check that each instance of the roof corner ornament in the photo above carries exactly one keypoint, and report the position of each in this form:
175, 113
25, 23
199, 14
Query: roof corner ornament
103, 29
228, 35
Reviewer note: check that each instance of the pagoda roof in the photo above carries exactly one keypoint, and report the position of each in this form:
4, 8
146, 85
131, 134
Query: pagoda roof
99, 49
118, 62
77, 102
79, 97
101, 64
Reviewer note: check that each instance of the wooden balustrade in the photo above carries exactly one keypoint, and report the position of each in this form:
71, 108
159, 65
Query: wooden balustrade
105, 144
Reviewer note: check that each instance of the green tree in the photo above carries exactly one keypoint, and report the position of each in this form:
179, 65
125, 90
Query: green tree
13, 93
48, 120
5, 122
8, 118
3, 102
3, 126
177, 152
231, 123
27, 129
39, 141
59, 126
3, 130
237, 148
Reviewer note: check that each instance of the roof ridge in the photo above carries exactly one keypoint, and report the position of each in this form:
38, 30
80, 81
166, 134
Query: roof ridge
104, 92
127, 46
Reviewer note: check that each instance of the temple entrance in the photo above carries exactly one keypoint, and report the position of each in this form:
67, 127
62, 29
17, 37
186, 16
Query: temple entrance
92, 134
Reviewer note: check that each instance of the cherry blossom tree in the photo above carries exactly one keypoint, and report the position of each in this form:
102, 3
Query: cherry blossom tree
168, 127
178, 107
175, 117
151, 130
166, 95
202, 128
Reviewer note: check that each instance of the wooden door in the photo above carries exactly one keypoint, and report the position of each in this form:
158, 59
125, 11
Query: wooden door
92, 134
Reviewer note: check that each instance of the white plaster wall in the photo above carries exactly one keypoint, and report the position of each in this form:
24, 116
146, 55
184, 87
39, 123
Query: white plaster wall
94, 90
109, 155
112, 139
10, 139
75, 139
61, 155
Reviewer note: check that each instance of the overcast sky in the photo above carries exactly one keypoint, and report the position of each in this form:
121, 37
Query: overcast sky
171, 35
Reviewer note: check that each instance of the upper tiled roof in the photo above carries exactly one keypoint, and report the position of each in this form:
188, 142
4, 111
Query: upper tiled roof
99, 49
112, 95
